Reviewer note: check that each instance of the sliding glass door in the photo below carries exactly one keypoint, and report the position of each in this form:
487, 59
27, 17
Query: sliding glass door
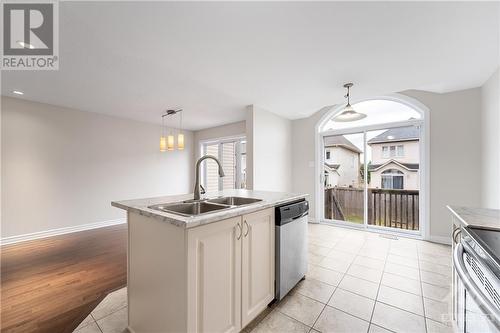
372, 178
343, 182
393, 189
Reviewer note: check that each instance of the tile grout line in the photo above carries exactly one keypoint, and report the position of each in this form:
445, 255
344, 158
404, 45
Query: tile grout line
95, 321
422, 290
344, 274
419, 280
378, 289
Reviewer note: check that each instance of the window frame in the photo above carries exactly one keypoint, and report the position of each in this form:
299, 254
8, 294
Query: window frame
388, 150
389, 174
220, 141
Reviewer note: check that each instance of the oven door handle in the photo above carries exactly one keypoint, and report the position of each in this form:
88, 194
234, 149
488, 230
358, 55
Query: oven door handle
470, 285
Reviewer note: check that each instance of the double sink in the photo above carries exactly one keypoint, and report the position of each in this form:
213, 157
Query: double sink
205, 206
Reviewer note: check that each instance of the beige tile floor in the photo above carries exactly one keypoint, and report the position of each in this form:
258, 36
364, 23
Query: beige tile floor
357, 282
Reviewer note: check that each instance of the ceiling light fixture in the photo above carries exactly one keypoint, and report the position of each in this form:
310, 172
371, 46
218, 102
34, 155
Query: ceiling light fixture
167, 140
17, 92
25, 45
348, 113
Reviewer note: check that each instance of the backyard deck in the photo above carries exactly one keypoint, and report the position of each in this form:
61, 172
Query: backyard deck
388, 208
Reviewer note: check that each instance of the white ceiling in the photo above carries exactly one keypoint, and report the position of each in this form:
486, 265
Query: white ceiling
134, 59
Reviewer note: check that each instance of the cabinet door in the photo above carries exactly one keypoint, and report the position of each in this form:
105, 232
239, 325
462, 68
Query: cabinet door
214, 277
257, 263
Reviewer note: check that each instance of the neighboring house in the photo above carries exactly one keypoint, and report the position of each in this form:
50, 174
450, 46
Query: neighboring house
395, 159
341, 162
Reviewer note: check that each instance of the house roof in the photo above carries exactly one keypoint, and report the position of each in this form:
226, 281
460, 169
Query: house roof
340, 141
407, 133
407, 166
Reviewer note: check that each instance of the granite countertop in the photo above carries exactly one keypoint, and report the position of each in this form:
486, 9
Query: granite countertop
477, 217
269, 199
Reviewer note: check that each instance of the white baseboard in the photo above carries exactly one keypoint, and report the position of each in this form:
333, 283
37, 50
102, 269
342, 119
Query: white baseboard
312, 220
59, 231
440, 240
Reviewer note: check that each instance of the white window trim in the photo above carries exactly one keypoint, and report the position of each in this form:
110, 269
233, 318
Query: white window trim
220, 142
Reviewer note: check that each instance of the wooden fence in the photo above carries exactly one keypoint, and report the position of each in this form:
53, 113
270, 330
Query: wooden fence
388, 208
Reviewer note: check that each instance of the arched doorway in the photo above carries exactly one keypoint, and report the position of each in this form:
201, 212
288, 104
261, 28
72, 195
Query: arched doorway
373, 172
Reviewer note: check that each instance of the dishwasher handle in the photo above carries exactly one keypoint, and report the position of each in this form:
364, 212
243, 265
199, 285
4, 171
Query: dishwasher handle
288, 213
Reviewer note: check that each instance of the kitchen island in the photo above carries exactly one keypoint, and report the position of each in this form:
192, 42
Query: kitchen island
194, 267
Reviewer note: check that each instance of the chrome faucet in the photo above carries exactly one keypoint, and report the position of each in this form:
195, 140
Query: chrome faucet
197, 174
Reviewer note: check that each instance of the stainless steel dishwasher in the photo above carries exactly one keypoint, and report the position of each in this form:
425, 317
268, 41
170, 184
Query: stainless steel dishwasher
291, 246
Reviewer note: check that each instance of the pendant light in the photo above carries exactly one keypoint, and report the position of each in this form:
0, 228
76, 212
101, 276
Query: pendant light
180, 136
170, 141
167, 142
348, 113
163, 138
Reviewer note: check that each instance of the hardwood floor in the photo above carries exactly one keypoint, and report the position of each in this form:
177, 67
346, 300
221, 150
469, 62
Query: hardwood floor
51, 284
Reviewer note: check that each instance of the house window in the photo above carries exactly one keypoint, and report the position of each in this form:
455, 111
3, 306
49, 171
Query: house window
385, 151
327, 154
400, 152
232, 155
392, 179
393, 151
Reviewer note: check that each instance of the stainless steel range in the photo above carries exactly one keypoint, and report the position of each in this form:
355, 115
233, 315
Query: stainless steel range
476, 261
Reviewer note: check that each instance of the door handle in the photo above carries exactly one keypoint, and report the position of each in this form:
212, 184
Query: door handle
239, 227
473, 290
248, 227
455, 233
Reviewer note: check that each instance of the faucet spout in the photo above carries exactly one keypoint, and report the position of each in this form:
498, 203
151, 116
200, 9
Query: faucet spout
197, 173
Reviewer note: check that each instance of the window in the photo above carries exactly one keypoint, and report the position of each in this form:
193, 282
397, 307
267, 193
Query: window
393, 151
327, 154
385, 152
392, 179
400, 151
232, 155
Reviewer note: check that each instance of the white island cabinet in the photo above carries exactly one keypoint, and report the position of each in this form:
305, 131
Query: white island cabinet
230, 272
210, 273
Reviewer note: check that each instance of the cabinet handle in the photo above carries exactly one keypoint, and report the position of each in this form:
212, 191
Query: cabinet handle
239, 227
246, 233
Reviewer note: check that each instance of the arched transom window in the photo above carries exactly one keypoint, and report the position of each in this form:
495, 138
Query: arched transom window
392, 179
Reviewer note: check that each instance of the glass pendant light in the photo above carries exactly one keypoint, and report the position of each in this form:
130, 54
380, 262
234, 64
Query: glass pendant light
348, 113
180, 136
167, 143
170, 142
163, 139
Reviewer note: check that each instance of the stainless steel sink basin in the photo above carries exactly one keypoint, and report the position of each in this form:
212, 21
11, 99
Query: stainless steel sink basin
234, 201
189, 208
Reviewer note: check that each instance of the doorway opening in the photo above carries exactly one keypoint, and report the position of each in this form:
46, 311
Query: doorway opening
373, 172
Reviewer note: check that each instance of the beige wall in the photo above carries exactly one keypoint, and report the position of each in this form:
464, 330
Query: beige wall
455, 160
63, 167
455, 132
303, 158
269, 152
411, 152
490, 139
